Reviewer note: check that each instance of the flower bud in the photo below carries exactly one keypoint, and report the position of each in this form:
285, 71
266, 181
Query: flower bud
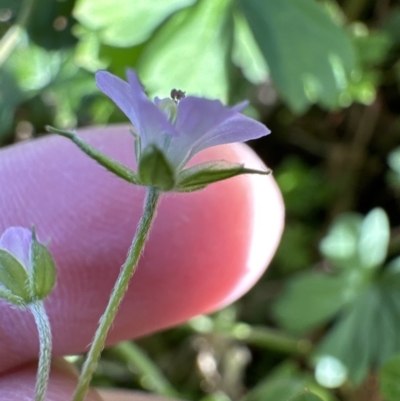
27, 270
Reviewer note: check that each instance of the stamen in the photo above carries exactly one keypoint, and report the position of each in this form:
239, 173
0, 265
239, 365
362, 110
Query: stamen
177, 95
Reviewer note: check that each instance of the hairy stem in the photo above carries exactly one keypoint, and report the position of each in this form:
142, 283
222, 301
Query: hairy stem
43, 325
127, 270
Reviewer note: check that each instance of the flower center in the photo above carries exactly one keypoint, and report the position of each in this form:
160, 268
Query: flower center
169, 108
169, 105
177, 94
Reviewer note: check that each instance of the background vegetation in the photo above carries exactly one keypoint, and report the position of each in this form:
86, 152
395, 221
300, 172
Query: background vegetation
325, 77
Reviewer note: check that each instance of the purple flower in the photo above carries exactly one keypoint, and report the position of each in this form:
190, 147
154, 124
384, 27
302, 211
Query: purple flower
18, 242
179, 129
27, 271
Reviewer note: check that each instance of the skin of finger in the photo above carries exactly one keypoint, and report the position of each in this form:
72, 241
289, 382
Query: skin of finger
200, 254
19, 384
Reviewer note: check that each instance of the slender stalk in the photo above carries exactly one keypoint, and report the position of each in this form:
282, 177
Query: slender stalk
11, 38
43, 325
127, 270
136, 358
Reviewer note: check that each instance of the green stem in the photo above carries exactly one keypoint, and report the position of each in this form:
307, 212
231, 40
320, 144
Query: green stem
11, 38
147, 370
260, 336
43, 325
127, 270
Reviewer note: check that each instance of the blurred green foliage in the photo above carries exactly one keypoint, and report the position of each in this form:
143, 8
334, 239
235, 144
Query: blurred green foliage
324, 75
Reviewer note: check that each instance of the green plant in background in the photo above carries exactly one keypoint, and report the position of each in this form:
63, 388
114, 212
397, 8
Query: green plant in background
362, 293
325, 76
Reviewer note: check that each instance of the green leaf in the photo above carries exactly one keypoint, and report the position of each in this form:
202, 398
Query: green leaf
124, 23
389, 379
43, 270
40, 71
311, 299
13, 276
306, 396
374, 239
191, 52
154, 169
340, 245
197, 177
285, 382
366, 334
246, 54
277, 387
107, 162
309, 57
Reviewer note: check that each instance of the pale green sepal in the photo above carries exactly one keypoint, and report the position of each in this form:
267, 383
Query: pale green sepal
13, 276
107, 162
199, 176
43, 270
154, 169
13, 299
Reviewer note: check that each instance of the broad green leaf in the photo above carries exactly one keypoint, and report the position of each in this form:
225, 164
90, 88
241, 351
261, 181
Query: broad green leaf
306, 396
246, 54
124, 23
374, 239
190, 52
32, 66
372, 46
366, 334
311, 299
340, 245
154, 169
308, 55
389, 379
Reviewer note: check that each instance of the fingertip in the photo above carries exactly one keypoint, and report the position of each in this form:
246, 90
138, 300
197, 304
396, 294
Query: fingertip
266, 214
19, 384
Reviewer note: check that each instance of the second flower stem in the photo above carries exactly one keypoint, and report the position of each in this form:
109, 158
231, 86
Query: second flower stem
127, 270
43, 325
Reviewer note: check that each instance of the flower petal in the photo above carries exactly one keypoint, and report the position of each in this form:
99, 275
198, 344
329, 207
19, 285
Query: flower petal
154, 125
203, 123
120, 93
149, 121
18, 241
240, 106
237, 128
196, 117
